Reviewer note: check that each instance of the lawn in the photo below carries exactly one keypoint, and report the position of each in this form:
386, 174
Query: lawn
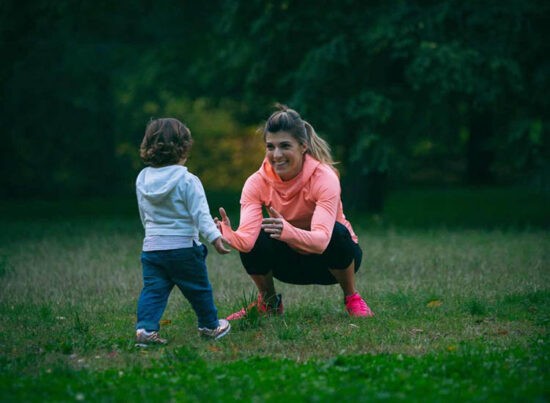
462, 313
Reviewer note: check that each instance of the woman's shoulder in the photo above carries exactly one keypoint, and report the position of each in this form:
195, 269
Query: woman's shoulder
325, 172
254, 182
325, 180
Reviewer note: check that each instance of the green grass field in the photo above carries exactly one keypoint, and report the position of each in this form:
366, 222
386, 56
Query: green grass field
462, 311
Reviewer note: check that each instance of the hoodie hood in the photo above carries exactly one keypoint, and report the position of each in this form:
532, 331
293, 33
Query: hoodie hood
155, 184
288, 189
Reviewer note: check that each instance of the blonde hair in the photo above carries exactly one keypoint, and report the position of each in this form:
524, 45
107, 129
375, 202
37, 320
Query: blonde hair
288, 120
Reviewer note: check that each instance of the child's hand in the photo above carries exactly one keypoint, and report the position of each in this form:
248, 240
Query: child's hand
220, 247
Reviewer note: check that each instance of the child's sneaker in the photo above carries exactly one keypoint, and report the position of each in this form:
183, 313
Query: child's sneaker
356, 306
262, 307
223, 328
145, 338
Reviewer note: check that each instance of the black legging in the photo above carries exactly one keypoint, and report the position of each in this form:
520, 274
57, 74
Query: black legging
289, 266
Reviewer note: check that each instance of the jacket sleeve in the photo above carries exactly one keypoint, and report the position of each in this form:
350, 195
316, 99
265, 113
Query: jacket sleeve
200, 212
140, 209
244, 238
326, 193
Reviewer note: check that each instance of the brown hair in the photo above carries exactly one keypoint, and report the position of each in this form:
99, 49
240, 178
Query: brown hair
166, 142
288, 120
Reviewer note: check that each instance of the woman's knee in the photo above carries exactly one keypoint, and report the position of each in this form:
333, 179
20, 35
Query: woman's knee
341, 250
341, 238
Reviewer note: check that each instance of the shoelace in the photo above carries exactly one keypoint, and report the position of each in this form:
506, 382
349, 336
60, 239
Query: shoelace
359, 304
151, 337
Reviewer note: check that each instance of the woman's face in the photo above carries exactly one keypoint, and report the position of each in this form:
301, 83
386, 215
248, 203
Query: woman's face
285, 154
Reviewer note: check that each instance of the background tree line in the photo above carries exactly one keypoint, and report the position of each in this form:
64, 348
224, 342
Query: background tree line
406, 92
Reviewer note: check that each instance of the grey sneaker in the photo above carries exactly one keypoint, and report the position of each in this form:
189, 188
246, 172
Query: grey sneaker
145, 338
223, 328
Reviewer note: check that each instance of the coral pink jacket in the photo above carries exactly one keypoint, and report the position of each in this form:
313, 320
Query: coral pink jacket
310, 204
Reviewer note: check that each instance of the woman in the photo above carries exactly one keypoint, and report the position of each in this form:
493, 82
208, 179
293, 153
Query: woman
306, 239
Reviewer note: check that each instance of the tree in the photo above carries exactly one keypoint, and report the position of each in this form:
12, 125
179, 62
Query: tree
381, 80
62, 87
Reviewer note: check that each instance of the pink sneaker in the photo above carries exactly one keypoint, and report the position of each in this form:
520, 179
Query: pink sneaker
356, 306
261, 307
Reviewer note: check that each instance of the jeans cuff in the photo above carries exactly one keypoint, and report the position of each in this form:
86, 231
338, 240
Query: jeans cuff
148, 326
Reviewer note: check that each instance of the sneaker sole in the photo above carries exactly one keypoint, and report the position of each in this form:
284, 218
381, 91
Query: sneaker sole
223, 333
147, 345
237, 315
242, 315
219, 336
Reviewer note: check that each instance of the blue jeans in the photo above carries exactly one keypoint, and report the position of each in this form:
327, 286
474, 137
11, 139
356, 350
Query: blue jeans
185, 268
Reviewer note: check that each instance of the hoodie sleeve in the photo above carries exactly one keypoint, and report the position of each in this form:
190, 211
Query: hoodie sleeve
326, 193
140, 199
244, 238
196, 202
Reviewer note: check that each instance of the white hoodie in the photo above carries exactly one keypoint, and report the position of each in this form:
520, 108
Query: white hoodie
172, 202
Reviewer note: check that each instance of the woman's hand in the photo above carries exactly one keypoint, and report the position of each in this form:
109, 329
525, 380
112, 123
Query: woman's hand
274, 224
224, 219
219, 245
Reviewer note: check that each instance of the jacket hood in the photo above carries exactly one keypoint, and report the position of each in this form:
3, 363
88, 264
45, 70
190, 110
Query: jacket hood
288, 189
157, 183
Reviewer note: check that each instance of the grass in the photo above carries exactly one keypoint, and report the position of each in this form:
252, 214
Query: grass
461, 314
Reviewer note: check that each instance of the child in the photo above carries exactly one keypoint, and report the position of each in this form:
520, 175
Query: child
174, 210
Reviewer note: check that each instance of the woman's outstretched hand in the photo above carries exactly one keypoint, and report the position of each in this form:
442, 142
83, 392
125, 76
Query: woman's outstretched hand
273, 225
219, 245
224, 219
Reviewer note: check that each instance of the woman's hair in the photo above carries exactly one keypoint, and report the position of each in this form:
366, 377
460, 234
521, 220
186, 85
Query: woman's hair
166, 142
288, 120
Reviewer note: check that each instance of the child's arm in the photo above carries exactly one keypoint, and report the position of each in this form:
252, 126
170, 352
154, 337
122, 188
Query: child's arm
197, 205
140, 209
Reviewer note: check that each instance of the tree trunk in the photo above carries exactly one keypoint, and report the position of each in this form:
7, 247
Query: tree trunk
364, 191
480, 150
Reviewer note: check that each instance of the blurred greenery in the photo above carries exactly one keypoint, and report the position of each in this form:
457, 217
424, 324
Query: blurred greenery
517, 208
408, 92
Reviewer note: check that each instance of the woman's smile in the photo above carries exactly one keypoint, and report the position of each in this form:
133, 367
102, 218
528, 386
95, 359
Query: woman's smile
285, 154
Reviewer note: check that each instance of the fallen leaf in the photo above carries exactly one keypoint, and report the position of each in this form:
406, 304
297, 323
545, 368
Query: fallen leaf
434, 304
213, 348
452, 348
165, 322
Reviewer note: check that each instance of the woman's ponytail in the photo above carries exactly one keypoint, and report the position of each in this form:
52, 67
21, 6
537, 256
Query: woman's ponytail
318, 148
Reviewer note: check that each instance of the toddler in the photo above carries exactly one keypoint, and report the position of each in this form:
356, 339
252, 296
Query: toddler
174, 211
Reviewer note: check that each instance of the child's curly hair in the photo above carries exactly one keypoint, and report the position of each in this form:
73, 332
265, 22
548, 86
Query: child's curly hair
166, 142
